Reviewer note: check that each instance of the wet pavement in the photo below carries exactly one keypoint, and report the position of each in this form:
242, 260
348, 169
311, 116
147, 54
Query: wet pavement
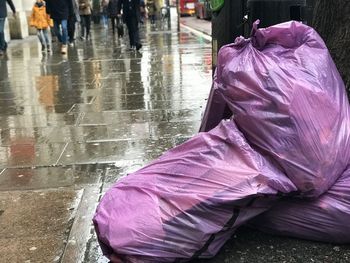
73, 125
194, 24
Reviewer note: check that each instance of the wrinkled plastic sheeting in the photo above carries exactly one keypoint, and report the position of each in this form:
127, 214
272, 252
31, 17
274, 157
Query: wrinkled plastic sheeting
188, 203
325, 219
289, 137
289, 100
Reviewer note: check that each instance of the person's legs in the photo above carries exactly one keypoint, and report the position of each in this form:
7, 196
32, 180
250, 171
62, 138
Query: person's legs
56, 25
129, 24
105, 20
41, 39
88, 25
134, 32
64, 36
2, 35
71, 29
82, 25
64, 32
47, 38
136, 36
120, 27
53, 34
114, 23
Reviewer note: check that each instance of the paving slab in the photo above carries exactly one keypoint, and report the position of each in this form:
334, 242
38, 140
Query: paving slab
34, 225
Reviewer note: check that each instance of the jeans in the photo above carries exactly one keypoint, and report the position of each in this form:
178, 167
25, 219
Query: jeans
43, 35
3, 44
61, 32
104, 20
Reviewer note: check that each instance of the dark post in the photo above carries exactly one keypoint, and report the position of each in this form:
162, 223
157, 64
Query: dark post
271, 12
178, 15
167, 3
227, 25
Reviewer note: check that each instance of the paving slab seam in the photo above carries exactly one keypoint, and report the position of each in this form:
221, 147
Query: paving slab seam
64, 149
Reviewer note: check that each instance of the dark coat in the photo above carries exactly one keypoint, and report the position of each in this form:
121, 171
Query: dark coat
112, 8
3, 7
59, 9
131, 9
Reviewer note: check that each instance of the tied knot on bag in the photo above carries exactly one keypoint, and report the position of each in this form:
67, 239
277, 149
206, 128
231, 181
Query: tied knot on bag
241, 41
257, 41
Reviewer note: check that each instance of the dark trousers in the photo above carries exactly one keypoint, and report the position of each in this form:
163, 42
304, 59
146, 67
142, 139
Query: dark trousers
114, 21
85, 25
71, 29
3, 44
133, 27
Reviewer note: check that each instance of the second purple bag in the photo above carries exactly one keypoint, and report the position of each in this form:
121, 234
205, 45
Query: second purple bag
324, 219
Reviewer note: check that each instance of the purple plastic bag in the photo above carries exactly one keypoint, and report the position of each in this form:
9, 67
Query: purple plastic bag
325, 219
188, 203
289, 101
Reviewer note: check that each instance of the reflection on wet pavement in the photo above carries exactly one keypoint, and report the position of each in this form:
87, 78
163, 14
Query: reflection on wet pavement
101, 92
70, 126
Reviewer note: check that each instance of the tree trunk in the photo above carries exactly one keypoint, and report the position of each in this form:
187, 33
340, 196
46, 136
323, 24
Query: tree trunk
331, 19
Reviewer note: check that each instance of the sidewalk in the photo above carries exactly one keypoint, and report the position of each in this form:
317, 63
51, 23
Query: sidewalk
72, 125
197, 26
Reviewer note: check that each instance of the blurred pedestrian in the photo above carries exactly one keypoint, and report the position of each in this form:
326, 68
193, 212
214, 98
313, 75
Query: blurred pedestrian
131, 16
85, 11
42, 22
104, 12
152, 10
3, 15
113, 13
72, 20
59, 12
142, 11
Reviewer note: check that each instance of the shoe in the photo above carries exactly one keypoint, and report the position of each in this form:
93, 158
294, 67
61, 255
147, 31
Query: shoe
48, 49
138, 46
2, 53
43, 48
82, 38
71, 44
64, 49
